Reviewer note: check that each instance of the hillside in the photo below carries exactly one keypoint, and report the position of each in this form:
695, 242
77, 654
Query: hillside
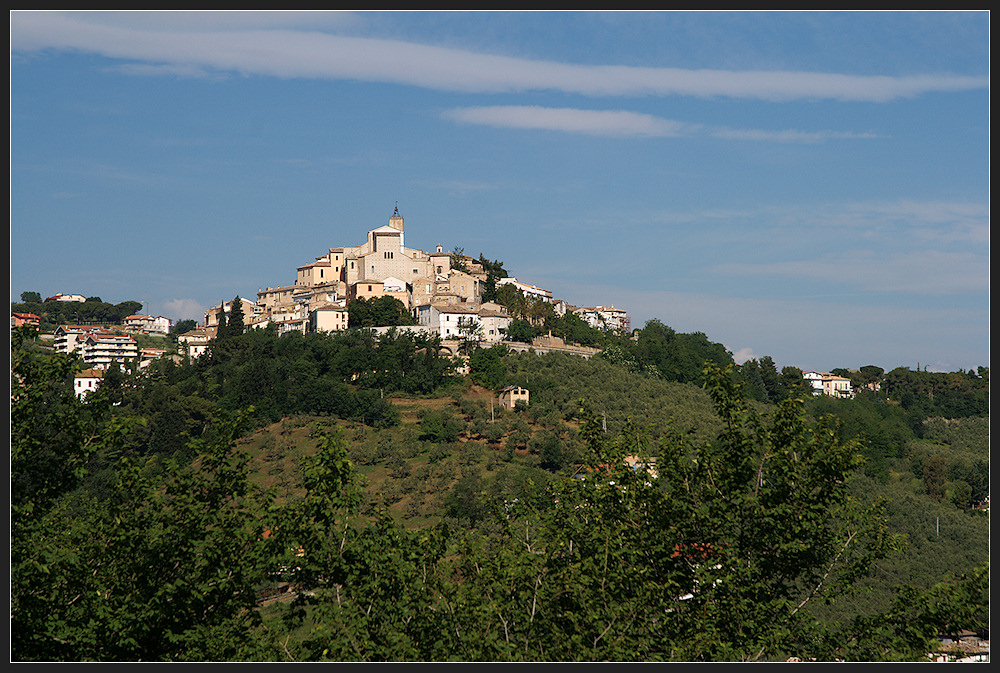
384, 475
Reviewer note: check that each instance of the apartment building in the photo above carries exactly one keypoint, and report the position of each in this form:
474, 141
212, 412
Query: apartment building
101, 350
70, 338
146, 323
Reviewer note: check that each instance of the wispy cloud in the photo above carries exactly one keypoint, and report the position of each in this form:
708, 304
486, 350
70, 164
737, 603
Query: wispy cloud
622, 123
248, 46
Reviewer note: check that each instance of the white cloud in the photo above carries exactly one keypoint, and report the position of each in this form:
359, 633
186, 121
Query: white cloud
743, 355
589, 122
621, 123
260, 49
183, 309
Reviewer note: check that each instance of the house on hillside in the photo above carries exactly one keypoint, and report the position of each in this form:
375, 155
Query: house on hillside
87, 381
825, 383
526, 289
19, 319
194, 343
329, 317
511, 395
79, 298
605, 318
449, 319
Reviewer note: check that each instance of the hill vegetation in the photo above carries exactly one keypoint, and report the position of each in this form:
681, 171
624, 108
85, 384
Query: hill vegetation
409, 517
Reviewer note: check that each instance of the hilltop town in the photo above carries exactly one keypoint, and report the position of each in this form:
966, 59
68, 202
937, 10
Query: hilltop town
444, 292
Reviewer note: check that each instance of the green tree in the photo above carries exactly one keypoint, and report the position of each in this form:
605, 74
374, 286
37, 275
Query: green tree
27, 297
182, 326
377, 312
236, 323
521, 330
470, 332
486, 365
935, 475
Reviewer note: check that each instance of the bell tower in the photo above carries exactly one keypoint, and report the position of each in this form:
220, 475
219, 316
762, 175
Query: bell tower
396, 221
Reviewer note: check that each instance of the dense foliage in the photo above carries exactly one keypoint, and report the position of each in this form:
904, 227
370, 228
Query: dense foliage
749, 543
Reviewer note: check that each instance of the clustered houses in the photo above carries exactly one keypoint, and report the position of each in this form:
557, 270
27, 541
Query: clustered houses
98, 346
442, 291
825, 383
605, 317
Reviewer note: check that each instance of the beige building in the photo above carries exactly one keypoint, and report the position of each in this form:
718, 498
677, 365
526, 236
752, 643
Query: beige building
250, 310
441, 290
195, 342
383, 256
511, 395
328, 318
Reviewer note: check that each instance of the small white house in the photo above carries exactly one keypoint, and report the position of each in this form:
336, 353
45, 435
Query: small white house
86, 382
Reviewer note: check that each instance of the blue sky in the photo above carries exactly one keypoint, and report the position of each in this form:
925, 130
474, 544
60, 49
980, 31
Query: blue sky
813, 186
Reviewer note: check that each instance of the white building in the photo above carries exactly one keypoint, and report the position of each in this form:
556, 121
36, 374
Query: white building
452, 321
825, 383
68, 297
70, 338
86, 382
146, 323
495, 320
100, 350
605, 317
526, 289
